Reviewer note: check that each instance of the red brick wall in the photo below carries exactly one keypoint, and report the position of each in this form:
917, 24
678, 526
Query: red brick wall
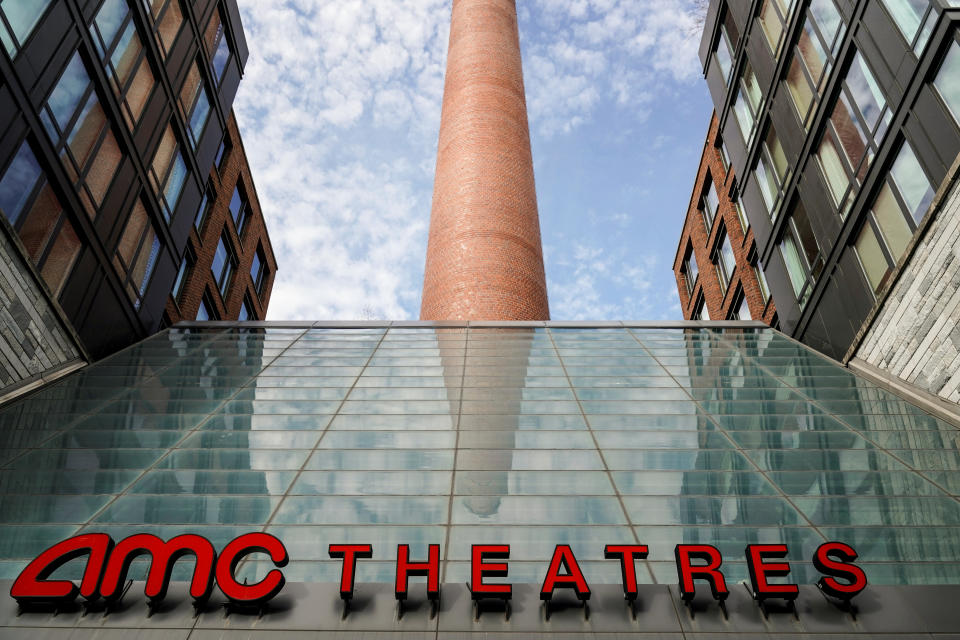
484, 257
717, 301
201, 279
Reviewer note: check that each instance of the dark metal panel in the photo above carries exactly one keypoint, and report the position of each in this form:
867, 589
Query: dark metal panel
108, 310
782, 291
115, 208
884, 49
824, 221
789, 130
939, 128
755, 209
709, 26
155, 297
184, 216
236, 28
740, 9
735, 145
229, 86
761, 59
209, 144
39, 64
717, 85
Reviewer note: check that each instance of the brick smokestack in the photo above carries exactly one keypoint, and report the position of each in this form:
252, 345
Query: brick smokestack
484, 258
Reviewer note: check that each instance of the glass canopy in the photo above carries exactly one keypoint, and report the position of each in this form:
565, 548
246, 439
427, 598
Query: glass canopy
531, 436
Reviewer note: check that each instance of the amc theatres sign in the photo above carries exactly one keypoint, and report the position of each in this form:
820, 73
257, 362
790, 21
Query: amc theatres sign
108, 562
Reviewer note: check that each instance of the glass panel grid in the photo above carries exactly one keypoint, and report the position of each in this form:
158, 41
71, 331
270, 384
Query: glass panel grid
532, 437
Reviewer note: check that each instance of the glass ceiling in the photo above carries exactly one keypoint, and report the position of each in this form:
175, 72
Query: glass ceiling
528, 436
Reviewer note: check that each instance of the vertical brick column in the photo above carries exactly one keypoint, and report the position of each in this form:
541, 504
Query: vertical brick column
484, 258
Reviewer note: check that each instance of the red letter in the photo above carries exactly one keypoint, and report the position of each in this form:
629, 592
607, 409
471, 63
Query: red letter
710, 572
32, 586
163, 556
234, 552
842, 567
479, 569
572, 579
349, 553
430, 568
628, 553
759, 570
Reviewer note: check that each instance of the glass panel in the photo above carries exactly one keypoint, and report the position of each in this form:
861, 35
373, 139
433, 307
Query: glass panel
795, 268
59, 261
23, 16
18, 183
912, 182
871, 256
893, 225
947, 81
907, 14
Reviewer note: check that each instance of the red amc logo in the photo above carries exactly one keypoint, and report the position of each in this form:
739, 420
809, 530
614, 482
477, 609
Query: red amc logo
109, 562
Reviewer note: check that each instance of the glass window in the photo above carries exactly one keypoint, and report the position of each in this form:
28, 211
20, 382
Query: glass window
28, 202
903, 199
726, 45
741, 215
168, 172
771, 171
167, 18
726, 262
238, 208
762, 281
203, 211
813, 56
224, 262
222, 153
119, 48
740, 309
801, 253
183, 274
709, 203
746, 106
217, 45
195, 103
19, 17
205, 312
700, 311
774, 14
258, 270
246, 311
80, 132
853, 134
909, 15
947, 81
137, 253
690, 269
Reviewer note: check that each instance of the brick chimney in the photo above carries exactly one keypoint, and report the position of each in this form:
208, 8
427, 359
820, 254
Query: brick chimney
484, 258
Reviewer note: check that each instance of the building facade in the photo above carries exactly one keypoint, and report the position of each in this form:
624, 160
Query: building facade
229, 267
716, 266
111, 116
842, 120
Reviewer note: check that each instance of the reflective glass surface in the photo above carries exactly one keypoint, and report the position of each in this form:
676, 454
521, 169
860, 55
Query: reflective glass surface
529, 436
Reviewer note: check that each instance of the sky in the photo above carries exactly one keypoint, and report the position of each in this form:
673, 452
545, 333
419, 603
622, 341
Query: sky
339, 110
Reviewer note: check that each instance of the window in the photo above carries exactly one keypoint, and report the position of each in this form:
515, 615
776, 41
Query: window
222, 154
17, 21
28, 202
224, 263
700, 311
723, 257
801, 253
258, 270
206, 311
246, 311
741, 215
80, 132
901, 203
947, 81
195, 103
771, 171
217, 45
203, 211
813, 57
137, 254
167, 18
690, 269
909, 15
726, 46
746, 106
774, 15
239, 209
754, 260
183, 274
168, 172
850, 140
120, 50
724, 156
709, 203
740, 310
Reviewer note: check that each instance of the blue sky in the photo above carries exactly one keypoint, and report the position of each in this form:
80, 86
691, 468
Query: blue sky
340, 110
